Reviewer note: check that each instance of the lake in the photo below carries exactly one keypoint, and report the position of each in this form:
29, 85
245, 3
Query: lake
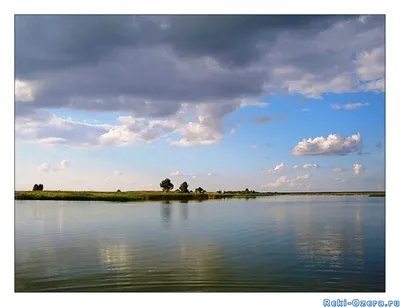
268, 244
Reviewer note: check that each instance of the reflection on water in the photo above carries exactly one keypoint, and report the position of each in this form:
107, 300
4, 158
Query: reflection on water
184, 210
166, 213
277, 244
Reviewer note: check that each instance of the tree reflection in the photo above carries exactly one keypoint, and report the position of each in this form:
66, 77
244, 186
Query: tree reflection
166, 212
184, 210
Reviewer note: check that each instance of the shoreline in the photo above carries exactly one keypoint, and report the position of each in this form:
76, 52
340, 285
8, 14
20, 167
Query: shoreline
132, 196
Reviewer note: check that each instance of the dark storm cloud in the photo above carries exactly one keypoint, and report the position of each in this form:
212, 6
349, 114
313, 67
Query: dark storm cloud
233, 39
151, 65
46, 42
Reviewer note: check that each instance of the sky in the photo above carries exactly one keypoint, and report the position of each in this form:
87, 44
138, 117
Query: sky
269, 103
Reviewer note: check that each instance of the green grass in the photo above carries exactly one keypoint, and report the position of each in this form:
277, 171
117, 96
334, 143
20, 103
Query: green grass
118, 196
131, 196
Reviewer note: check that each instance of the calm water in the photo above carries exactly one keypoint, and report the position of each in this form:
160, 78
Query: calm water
267, 244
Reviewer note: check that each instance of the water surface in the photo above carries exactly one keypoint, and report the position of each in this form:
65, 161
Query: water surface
266, 244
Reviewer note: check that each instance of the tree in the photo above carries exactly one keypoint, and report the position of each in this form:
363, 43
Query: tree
166, 185
184, 187
219, 192
199, 190
247, 190
37, 187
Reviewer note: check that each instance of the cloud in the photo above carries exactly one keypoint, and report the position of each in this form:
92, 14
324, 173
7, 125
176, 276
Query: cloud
118, 173
302, 177
50, 129
357, 168
254, 146
306, 166
150, 66
262, 119
52, 140
208, 127
349, 106
44, 167
375, 86
253, 103
278, 169
205, 129
284, 182
25, 91
306, 110
337, 169
371, 64
267, 119
64, 164
279, 182
333, 145
176, 173
281, 167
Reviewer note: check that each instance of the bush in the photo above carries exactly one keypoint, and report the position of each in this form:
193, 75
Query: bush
37, 187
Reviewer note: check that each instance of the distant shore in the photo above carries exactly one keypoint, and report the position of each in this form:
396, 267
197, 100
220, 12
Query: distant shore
131, 196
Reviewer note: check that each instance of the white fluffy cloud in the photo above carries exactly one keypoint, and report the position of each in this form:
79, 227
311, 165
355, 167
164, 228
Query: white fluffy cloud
25, 91
50, 129
284, 182
370, 64
349, 106
334, 144
278, 168
207, 128
279, 182
357, 168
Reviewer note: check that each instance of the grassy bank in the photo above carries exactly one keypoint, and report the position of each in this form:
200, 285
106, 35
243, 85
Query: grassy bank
156, 195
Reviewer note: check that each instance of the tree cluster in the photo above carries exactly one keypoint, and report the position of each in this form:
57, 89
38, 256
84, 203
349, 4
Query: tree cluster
167, 186
246, 191
38, 187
